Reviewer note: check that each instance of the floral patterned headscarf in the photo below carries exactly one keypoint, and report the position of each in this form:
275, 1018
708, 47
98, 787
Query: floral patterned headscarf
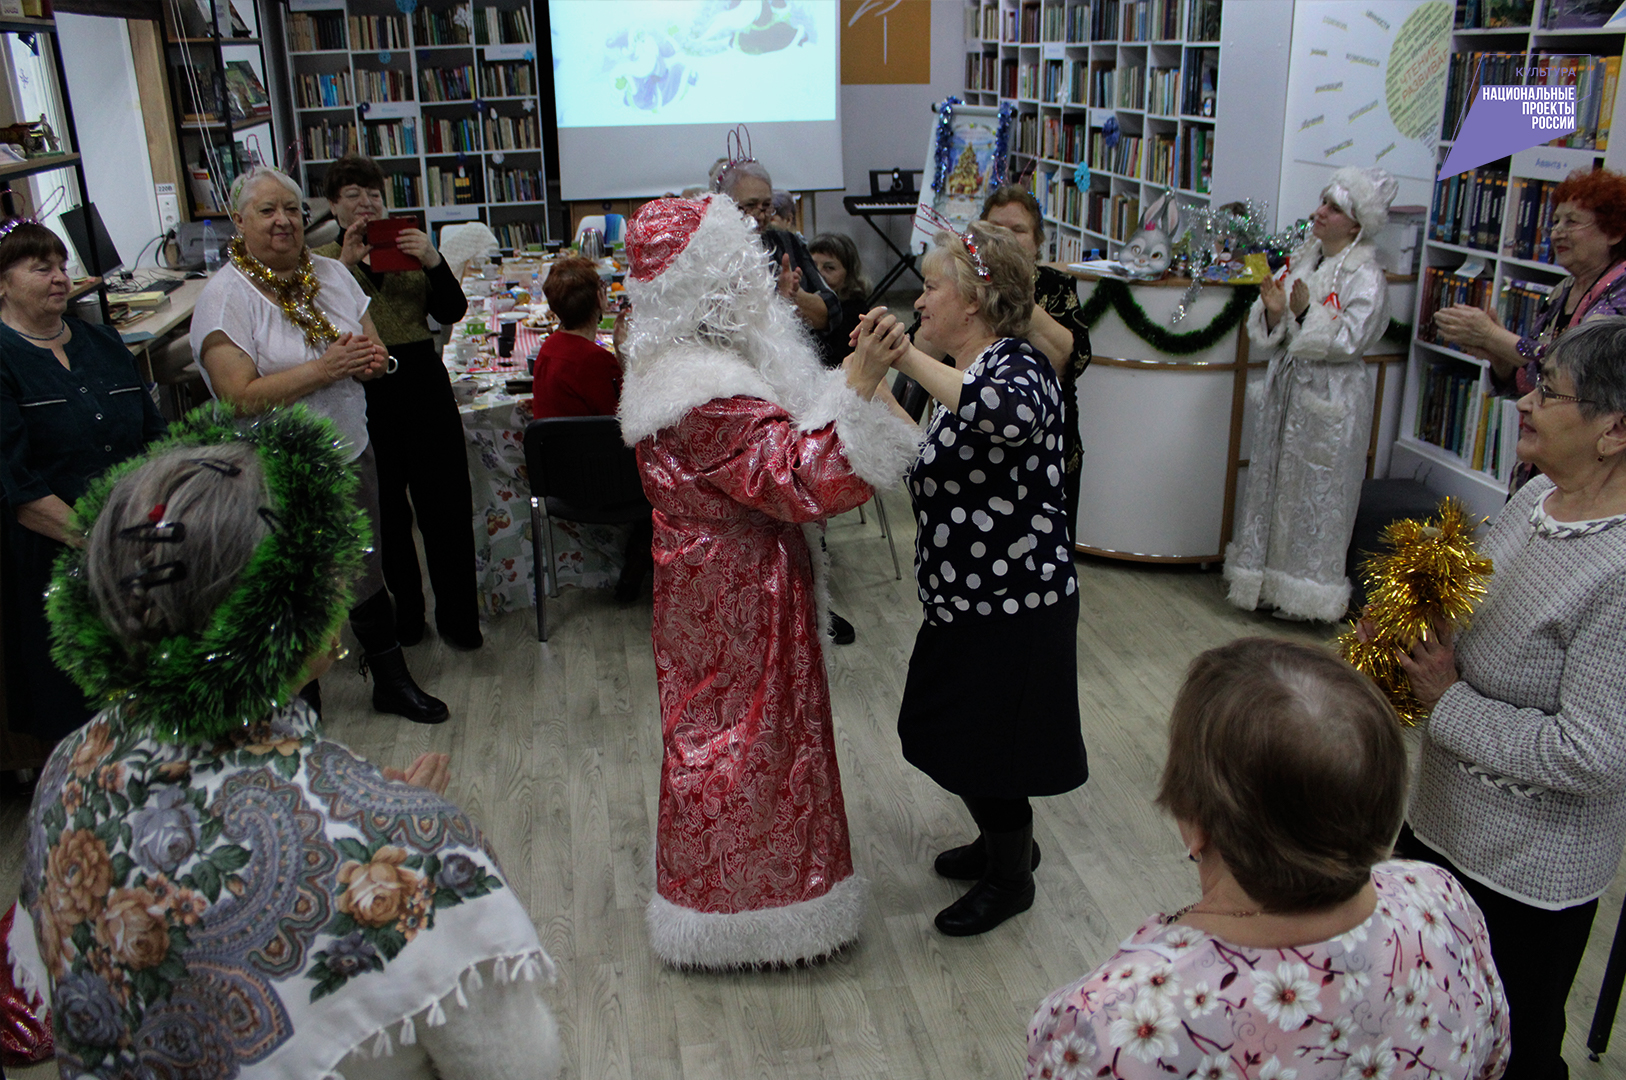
195, 907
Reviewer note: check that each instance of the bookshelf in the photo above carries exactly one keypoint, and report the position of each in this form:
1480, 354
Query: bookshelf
223, 111
444, 97
1154, 68
1486, 242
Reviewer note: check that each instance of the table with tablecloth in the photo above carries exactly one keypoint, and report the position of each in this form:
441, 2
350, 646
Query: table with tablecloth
586, 556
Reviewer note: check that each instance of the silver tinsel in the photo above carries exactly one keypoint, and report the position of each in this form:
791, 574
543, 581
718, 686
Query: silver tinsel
1236, 227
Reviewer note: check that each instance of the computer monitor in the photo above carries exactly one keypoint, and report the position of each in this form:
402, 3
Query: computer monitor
83, 222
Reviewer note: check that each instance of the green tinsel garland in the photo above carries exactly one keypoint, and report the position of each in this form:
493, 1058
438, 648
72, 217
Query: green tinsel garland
288, 601
1114, 294
1110, 293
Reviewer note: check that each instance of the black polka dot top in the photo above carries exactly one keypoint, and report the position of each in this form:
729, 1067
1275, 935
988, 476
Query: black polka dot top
993, 537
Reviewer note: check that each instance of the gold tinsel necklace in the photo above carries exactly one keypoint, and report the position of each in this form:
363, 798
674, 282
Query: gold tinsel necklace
296, 296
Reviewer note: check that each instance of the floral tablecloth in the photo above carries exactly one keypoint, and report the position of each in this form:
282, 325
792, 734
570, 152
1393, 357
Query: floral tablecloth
586, 556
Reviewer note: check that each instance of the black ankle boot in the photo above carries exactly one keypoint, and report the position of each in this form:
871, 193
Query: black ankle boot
1006, 890
395, 692
311, 694
969, 862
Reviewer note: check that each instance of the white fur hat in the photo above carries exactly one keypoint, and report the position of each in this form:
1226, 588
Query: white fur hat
1363, 194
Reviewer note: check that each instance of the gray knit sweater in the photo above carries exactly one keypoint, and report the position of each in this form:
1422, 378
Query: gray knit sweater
1522, 780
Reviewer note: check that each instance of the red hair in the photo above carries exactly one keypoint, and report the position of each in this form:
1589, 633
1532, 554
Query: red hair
571, 290
1603, 193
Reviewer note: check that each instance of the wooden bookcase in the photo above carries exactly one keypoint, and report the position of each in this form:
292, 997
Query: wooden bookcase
1194, 87
444, 98
1448, 436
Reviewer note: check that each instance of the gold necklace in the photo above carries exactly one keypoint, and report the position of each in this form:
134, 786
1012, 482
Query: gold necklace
1195, 909
296, 296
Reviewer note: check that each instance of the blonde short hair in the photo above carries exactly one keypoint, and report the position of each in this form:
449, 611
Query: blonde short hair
1005, 300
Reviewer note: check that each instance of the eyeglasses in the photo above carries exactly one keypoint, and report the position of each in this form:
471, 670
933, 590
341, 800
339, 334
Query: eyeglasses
1546, 395
1569, 225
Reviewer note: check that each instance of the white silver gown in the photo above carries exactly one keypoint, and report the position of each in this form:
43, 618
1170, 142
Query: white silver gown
1310, 438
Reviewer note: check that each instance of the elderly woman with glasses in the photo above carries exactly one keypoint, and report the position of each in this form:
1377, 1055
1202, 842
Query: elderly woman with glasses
1522, 787
1589, 242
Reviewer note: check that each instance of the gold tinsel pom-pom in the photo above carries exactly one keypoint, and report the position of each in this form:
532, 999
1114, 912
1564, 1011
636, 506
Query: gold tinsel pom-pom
1432, 573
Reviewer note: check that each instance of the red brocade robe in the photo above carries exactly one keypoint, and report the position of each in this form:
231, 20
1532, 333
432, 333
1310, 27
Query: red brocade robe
751, 813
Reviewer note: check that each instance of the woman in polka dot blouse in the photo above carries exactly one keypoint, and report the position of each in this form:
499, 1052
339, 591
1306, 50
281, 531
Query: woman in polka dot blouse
990, 708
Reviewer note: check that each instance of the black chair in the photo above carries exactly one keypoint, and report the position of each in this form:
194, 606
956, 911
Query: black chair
580, 470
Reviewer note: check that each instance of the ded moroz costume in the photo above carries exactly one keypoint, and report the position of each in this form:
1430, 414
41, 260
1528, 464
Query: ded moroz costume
1312, 425
745, 444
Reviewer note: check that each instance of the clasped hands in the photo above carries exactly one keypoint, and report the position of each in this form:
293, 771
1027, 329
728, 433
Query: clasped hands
879, 342
1278, 300
354, 356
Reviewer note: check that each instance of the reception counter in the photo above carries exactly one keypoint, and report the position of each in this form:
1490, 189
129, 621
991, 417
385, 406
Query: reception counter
1165, 437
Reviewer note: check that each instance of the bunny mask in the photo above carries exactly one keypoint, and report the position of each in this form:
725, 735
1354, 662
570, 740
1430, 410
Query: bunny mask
1146, 255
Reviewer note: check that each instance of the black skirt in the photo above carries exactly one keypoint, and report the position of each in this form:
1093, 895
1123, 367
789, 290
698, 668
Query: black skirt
990, 707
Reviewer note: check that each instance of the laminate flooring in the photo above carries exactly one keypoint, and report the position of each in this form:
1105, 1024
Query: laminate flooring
555, 753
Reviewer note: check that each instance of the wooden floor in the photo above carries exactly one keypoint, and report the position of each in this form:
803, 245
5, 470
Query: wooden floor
555, 752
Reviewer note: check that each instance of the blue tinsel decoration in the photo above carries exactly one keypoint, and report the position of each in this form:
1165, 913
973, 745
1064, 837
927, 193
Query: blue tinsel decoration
945, 140
1002, 145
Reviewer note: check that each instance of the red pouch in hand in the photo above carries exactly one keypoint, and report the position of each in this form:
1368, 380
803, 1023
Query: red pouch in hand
386, 256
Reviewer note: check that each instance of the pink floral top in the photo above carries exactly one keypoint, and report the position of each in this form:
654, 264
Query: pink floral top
1411, 993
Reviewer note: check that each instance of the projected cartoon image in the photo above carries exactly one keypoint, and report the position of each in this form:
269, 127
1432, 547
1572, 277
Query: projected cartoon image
692, 61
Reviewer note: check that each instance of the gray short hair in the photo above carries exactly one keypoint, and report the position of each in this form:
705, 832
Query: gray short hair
1594, 356
1005, 300
727, 177
215, 494
244, 183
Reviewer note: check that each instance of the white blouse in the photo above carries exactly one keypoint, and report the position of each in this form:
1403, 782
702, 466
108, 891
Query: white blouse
235, 306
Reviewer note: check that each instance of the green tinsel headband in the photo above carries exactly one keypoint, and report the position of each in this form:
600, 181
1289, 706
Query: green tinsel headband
289, 599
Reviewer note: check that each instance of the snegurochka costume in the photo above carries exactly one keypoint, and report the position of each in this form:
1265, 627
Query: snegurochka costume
1315, 418
745, 444
218, 890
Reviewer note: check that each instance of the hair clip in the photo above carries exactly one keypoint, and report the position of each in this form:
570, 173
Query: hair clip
160, 532
163, 574
224, 468
976, 256
269, 516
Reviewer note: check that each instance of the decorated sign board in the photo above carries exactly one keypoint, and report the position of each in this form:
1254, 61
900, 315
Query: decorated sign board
965, 160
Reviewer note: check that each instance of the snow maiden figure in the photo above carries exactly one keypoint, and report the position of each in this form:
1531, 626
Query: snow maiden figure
745, 444
1309, 441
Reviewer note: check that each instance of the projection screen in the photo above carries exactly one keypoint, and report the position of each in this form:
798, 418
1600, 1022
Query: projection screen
646, 91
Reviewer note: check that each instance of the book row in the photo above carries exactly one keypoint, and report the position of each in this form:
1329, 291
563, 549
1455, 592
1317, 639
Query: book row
322, 91
513, 78
372, 32
392, 138
312, 32
493, 26
1442, 288
386, 85
446, 83
1595, 79
516, 185
1455, 413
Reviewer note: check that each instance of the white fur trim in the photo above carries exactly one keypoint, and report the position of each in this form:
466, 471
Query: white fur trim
1260, 332
879, 445
1364, 194
806, 930
685, 378
1245, 582
1301, 596
27, 968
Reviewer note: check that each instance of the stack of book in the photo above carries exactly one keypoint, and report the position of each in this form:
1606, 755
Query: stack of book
322, 91
329, 140
401, 190
1443, 288
383, 85
451, 186
1456, 413
516, 185
392, 138
438, 27
512, 132
445, 136
447, 83
1202, 82
1468, 209
1530, 232
1103, 20
1595, 79
509, 79
370, 32
320, 32
493, 26
519, 235
1520, 302
1468, 72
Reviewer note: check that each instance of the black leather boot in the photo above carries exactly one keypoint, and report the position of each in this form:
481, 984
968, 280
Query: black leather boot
311, 694
969, 862
1006, 890
395, 692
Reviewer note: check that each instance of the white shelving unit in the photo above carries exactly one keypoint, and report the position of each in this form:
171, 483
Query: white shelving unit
449, 87
1069, 66
1447, 471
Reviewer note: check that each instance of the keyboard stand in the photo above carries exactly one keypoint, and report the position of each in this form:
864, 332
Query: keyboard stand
906, 261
